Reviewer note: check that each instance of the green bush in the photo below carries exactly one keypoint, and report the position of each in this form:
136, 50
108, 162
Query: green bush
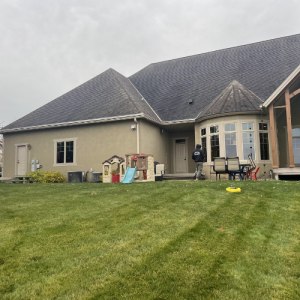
47, 176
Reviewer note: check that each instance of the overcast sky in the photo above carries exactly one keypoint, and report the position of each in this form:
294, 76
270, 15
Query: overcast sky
49, 47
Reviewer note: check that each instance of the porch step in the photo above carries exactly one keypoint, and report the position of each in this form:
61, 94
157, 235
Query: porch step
180, 176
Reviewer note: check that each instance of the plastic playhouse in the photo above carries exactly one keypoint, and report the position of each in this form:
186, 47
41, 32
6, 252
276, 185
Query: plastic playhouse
139, 168
108, 175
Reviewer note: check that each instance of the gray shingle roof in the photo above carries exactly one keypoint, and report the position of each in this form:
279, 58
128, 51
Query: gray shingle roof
260, 67
168, 86
109, 94
235, 98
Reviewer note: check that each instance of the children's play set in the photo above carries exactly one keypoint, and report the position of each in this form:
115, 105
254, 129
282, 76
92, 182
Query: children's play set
139, 168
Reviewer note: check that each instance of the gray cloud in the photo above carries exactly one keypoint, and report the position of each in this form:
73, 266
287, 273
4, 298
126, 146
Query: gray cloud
50, 47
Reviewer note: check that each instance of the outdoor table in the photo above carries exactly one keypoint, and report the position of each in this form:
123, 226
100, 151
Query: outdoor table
25, 179
244, 167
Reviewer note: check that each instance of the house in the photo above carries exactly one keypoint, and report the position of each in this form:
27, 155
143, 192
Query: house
233, 102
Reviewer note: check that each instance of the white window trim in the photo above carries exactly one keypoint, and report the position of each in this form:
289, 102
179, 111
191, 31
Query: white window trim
74, 163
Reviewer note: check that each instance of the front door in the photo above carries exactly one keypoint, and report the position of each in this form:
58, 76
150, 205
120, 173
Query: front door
180, 156
21, 160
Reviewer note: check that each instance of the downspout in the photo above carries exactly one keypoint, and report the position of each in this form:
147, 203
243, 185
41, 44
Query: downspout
137, 136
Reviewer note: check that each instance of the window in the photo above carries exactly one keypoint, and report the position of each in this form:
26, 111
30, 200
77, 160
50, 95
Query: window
248, 140
203, 143
264, 145
230, 144
215, 146
247, 126
264, 141
214, 142
229, 127
214, 129
296, 145
230, 140
263, 126
64, 151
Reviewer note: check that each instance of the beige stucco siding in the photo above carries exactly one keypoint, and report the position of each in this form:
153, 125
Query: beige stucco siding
94, 144
154, 141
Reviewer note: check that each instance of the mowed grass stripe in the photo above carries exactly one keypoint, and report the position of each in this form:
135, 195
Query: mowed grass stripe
79, 241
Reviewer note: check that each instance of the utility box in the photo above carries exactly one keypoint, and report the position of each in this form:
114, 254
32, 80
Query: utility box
34, 165
75, 176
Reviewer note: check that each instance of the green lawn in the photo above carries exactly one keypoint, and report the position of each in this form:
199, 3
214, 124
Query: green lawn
194, 241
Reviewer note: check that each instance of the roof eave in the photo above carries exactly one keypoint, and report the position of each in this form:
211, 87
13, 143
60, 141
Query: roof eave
250, 112
284, 84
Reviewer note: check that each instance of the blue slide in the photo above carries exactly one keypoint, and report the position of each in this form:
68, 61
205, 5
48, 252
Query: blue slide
129, 175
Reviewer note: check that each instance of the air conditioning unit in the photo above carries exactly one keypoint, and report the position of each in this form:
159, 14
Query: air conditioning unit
75, 176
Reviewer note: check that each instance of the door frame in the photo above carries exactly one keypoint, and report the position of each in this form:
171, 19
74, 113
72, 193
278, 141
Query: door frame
16, 157
186, 151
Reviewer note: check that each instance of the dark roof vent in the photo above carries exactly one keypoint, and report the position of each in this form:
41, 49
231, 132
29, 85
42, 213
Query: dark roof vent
190, 101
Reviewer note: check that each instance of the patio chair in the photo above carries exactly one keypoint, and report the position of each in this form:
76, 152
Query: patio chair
233, 165
253, 174
220, 166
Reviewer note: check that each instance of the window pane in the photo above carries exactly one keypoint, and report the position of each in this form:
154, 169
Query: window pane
296, 147
264, 145
247, 126
229, 127
214, 144
230, 144
60, 152
263, 126
69, 151
214, 129
296, 132
182, 141
203, 144
248, 144
203, 131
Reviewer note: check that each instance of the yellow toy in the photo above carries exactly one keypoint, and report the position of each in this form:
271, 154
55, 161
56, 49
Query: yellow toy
233, 190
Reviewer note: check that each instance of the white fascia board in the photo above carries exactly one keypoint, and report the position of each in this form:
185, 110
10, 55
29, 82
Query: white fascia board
282, 87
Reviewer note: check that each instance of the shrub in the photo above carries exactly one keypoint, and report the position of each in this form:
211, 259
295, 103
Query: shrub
47, 176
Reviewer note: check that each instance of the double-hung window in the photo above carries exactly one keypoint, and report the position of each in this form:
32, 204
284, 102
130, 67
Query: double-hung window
214, 141
203, 143
230, 140
248, 140
64, 152
264, 141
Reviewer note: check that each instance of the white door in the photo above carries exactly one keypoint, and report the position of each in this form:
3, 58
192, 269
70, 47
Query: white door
21, 160
180, 158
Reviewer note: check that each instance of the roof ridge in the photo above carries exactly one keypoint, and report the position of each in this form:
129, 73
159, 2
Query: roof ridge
113, 72
219, 50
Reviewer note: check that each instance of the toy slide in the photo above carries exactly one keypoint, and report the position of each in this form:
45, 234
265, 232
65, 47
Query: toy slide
129, 175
